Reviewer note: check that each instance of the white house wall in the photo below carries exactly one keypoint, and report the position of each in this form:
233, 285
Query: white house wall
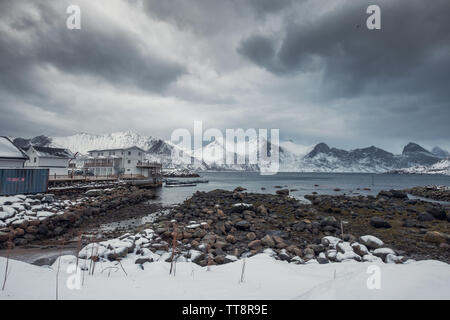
56, 166
11, 163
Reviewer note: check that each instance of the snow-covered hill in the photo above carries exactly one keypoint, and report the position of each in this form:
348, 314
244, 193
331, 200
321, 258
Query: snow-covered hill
83, 142
441, 167
292, 157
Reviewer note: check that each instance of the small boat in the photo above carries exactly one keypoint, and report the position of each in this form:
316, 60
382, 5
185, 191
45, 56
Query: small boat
189, 182
180, 185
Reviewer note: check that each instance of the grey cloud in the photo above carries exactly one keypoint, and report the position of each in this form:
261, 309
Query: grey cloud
263, 7
329, 78
108, 53
354, 58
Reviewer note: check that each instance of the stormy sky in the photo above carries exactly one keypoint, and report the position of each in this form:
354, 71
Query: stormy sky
308, 67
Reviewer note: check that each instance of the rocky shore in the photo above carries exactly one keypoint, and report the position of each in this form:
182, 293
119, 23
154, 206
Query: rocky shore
431, 192
222, 226
33, 218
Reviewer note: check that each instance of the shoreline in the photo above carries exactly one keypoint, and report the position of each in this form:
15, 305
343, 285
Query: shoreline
321, 207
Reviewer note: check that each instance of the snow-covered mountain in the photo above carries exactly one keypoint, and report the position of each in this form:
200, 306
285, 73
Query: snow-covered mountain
441, 167
440, 152
83, 142
292, 157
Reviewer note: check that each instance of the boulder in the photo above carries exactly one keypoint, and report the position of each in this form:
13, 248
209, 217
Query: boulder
360, 249
230, 238
437, 237
254, 245
383, 252
308, 253
4, 236
283, 192
242, 225
262, 210
143, 260
268, 241
438, 213
425, 216
240, 207
250, 236
371, 242
378, 222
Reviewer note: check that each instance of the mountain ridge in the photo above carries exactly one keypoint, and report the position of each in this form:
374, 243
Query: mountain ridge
293, 157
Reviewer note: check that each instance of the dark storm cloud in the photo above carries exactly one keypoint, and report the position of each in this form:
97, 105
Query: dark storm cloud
213, 16
414, 40
264, 7
106, 52
308, 67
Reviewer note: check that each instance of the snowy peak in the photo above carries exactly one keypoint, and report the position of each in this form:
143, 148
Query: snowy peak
319, 148
414, 147
83, 142
415, 155
292, 157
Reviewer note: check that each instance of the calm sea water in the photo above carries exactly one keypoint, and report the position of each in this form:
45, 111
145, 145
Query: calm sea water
305, 183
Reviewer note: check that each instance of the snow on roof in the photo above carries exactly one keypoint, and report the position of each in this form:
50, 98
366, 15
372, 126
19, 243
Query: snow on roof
47, 152
9, 150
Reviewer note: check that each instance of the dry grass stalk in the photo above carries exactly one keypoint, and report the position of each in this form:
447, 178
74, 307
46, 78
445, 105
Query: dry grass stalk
78, 246
209, 258
57, 271
10, 244
92, 255
120, 263
243, 271
174, 248
95, 258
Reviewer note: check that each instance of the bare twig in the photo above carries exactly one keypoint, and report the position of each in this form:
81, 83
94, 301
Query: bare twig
95, 258
7, 261
174, 248
209, 258
92, 254
122, 267
78, 246
243, 271
57, 272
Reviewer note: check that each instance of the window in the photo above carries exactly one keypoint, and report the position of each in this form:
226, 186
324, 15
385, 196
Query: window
129, 161
34, 159
129, 153
139, 153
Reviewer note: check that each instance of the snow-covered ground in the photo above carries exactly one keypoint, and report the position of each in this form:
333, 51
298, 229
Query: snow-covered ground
442, 167
264, 278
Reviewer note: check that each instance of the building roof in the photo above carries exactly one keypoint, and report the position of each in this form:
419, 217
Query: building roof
10, 151
117, 149
47, 152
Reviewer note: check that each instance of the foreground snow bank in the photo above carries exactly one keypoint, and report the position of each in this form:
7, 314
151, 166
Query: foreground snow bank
264, 278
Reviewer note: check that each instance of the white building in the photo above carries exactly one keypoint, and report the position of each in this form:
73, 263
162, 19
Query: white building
10, 155
126, 161
55, 159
